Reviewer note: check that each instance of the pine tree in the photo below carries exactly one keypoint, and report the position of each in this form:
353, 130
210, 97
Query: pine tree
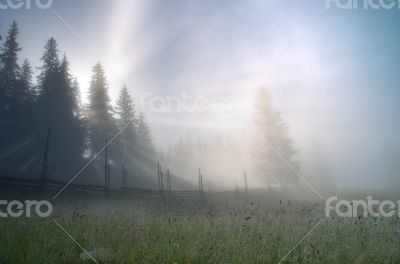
50, 58
56, 110
10, 110
25, 83
146, 153
77, 97
144, 134
9, 91
272, 144
49, 86
102, 125
127, 121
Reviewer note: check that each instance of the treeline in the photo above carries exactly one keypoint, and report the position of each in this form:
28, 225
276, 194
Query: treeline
266, 152
28, 110
222, 160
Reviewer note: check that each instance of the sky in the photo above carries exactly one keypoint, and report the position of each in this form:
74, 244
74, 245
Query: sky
333, 73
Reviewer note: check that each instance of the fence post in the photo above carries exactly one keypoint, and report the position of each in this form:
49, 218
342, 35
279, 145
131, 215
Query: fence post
126, 178
162, 180
123, 185
169, 185
200, 183
158, 176
44, 165
106, 169
108, 178
246, 187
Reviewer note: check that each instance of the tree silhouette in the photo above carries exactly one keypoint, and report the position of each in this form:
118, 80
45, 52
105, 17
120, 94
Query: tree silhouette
9, 70
102, 124
273, 150
56, 110
127, 121
145, 153
25, 83
12, 115
29, 109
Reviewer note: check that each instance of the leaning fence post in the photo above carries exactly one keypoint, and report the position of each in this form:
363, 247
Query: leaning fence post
44, 165
158, 176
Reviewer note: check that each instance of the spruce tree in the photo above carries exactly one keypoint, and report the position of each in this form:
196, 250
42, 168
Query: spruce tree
9, 91
273, 151
127, 121
10, 110
25, 83
102, 125
56, 110
146, 153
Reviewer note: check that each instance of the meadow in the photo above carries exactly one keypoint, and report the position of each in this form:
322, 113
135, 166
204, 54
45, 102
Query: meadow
193, 230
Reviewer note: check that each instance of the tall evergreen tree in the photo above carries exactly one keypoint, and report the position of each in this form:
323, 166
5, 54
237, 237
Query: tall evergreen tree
144, 134
146, 153
25, 83
57, 110
9, 69
10, 110
102, 125
272, 144
127, 121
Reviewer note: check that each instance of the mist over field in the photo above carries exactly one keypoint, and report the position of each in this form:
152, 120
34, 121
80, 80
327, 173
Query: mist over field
199, 131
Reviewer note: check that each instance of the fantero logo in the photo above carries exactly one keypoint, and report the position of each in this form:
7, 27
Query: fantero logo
361, 208
363, 4
17, 208
25, 4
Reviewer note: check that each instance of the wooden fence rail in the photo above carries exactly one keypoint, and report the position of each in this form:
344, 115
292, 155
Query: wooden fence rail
11, 183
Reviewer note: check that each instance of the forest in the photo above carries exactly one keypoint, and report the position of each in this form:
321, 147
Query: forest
52, 105
30, 109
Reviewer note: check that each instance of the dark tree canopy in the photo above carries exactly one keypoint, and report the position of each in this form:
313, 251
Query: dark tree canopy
30, 108
9, 89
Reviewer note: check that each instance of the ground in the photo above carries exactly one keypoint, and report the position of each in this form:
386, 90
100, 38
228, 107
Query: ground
194, 230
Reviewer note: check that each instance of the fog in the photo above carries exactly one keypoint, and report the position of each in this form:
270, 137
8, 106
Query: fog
340, 109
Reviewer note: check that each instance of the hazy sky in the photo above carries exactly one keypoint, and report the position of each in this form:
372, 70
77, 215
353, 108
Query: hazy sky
336, 80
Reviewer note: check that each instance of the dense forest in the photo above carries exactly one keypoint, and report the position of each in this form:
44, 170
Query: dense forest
51, 107
30, 110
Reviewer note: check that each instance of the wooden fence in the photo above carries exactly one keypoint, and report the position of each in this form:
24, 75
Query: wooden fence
44, 184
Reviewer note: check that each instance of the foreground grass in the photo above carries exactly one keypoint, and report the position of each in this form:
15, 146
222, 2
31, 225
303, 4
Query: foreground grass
127, 231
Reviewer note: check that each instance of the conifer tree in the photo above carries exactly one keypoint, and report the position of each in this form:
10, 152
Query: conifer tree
25, 83
273, 151
56, 110
9, 89
127, 121
146, 153
102, 126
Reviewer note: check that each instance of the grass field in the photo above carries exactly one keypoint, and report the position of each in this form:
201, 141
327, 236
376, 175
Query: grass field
128, 230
